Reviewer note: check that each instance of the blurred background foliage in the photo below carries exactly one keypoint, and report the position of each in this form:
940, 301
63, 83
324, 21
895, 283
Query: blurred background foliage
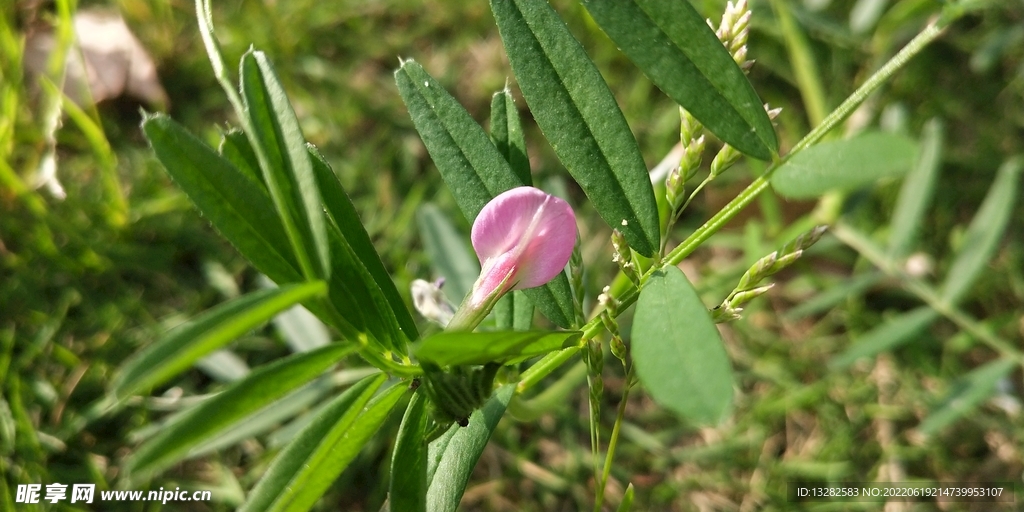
86, 280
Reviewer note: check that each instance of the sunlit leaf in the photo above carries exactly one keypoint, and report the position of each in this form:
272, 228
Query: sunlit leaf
213, 416
673, 45
183, 345
579, 116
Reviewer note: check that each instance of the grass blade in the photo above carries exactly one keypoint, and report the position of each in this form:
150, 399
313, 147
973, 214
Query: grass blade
984, 233
916, 191
894, 332
452, 457
678, 351
673, 45
578, 114
966, 394
304, 470
237, 208
222, 412
185, 344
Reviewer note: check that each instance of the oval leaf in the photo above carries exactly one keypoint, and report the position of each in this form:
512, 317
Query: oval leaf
678, 352
185, 344
577, 113
408, 489
458, 348
212, 417
673, 45
452, 457
304, 470
844, 165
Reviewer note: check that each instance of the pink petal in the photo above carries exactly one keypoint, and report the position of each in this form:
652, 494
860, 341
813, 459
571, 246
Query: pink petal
524, 234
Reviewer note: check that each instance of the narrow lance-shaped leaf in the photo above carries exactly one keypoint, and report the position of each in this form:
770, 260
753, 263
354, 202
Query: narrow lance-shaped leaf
967, 393
343, 213
470, 165
678, 352
234, 204
285, 162
212, 417
577, 113
844, 165
185, 344
408, 489
916, 192
514, 310
673, 45
507, 134
458, 348
985, 232
452, 457
304, 470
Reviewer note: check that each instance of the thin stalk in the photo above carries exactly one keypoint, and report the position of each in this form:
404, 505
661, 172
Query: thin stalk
613, 441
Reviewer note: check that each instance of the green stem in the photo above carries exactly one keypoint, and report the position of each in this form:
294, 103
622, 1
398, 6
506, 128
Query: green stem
749, 194
613, 441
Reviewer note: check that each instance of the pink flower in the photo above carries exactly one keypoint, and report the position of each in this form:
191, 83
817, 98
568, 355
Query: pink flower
523, 238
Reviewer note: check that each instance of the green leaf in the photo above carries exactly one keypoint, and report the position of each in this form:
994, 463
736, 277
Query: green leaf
458, 348
507, 134
343, 214
472, 167
916, 191
966, 394
239, 209
627, 499
222, 412
673, 45
408, 489
287, 169
678, 352
834, 294
185, 344
984, 233
894, 332
304, 470
578, 114
235, 147
452, 457
448, 252
844, 165
469, 163
514, 312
